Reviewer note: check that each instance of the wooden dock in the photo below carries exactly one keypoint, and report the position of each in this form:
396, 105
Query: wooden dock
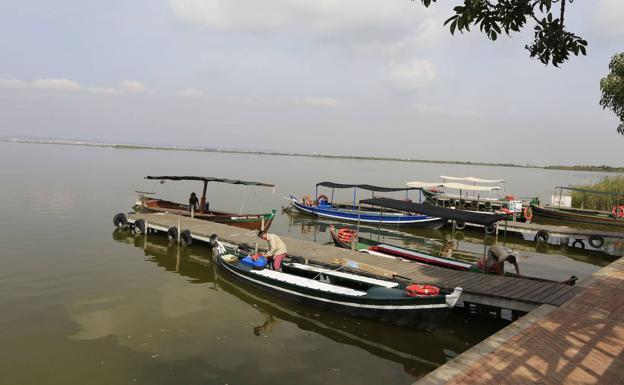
580, 342
487, 291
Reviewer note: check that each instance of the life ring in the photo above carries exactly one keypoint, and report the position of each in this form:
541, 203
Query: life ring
307, 200
528, 214
542, 236
618, 212
596, 241
322, 198
346, 235
580, 243
459, 225
510, 198
120, 220
185, 238
139, 226
416, 290
172, 234
256, 256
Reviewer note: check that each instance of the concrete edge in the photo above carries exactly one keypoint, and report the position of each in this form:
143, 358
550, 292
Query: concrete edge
465, 360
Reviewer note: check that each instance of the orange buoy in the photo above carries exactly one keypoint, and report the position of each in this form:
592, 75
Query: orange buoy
416, 290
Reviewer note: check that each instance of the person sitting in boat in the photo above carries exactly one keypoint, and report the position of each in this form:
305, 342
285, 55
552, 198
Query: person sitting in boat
494, 263
193, 202
277, 249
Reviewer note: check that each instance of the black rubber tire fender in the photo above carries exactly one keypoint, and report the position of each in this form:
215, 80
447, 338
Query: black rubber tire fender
140, 226
542, 236
172, 234
120, 220
490, 229
596, 241
185, 238
580, 243
459, 225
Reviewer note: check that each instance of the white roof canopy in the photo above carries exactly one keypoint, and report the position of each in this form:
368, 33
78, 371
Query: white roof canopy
454, 186
472, 179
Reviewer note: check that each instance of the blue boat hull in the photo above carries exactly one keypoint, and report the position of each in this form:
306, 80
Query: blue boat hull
386, 219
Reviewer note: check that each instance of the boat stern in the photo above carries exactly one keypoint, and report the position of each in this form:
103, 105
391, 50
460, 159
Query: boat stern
451, 299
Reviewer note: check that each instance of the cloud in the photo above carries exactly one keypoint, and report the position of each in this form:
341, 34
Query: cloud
12, 83
131, 86
608, 17
319, 102
56, 84
191, 93
410, 76
356, 18
65, 85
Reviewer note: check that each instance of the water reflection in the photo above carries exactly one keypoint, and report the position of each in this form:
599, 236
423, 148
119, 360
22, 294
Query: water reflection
418, 352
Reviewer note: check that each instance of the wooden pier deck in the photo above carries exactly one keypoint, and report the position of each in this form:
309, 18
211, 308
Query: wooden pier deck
578, 343
516, 294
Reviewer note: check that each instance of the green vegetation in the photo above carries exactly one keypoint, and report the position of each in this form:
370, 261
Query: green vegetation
614, 184
603, 168
552, 43
612, 87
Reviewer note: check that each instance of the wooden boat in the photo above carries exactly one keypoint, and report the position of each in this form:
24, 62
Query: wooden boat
556, 210
474, 197
345, 238
324, 207
244, 220
347, 292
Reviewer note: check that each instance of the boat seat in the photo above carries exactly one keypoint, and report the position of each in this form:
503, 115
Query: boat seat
308, 283
341, 274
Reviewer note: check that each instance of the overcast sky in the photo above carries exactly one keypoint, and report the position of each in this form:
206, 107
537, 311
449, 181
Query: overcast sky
356, 77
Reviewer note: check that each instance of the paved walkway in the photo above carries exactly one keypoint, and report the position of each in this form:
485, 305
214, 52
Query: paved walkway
580, 342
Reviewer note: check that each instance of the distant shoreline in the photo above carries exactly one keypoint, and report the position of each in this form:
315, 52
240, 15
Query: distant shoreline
129, 146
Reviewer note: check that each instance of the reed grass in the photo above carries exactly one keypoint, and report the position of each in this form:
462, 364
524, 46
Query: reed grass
614, 184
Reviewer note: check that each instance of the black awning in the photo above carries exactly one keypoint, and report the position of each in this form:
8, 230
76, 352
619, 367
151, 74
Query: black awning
440, 212
210, 179
364, 187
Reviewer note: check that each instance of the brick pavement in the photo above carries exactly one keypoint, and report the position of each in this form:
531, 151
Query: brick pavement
580, 342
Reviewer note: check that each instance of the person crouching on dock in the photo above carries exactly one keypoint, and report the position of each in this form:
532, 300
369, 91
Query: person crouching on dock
277, 249
494, 262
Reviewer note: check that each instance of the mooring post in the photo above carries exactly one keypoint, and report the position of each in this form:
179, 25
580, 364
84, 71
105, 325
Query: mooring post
262, 224
179, 228
193, 212
145, 235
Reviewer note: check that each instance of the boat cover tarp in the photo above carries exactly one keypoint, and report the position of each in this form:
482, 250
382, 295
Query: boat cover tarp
453, 186
473, 179
583, 190
363, 187
484, 219
210, 179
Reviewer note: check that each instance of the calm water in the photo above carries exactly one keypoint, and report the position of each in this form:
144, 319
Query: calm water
81, 303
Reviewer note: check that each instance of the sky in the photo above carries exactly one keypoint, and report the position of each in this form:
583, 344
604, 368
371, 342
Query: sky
352, 77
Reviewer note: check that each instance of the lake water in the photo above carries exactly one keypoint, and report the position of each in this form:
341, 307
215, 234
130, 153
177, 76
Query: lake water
82, 303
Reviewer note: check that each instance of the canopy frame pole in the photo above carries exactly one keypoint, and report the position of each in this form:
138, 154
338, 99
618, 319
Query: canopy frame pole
560, 194
202, 202
484, 241
316, 194
357, 232
379, 226
332, 196
354, 192
505, 233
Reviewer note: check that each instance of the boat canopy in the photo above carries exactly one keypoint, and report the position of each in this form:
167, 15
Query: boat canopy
472, 179
364, 187
583, 190
453, 186
207, 179
479, 218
